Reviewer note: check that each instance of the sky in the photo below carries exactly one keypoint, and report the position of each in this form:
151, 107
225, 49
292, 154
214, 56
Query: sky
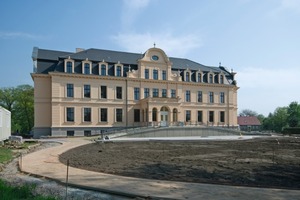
258, 39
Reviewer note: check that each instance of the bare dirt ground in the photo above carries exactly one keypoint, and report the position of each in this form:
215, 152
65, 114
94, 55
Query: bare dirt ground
265, 162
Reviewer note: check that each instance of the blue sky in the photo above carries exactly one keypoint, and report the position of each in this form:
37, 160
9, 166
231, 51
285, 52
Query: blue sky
259, 39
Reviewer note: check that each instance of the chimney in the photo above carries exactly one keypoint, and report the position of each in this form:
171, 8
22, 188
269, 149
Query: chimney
79, 50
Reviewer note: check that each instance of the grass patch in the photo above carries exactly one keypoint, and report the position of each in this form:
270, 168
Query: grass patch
5, 154
23, 192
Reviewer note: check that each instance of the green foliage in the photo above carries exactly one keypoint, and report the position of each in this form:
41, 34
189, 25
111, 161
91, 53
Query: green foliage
21, 192
20, 102
5, 154
294, 114
248, 112
291, 130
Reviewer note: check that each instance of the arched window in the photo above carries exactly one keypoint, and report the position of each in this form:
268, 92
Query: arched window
69, 67
86, 68
174, 115
210, 78
221, 79
154, 114
119, 71
199, 78
103, 70
187, 76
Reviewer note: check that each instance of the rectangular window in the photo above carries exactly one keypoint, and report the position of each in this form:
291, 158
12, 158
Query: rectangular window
187, 115
70, 114
103, 92
155, 92
222, 116
119, 71
199, 99
86, 68
173, 93
70, 90
211, 97
119, 114
136, 115
87, 114
69, 67
211, 116
146, 92
70, 133
103, 70
87, 91
87, 133
119, 92
155, 74
103, 114
188, 96
200, 116
164, 93
146, 73
136, 93
222, 97
164, 75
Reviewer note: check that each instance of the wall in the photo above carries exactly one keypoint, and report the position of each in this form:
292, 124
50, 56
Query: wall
5, 124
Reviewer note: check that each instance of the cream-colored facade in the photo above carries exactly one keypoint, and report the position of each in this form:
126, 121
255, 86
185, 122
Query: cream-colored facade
99, 94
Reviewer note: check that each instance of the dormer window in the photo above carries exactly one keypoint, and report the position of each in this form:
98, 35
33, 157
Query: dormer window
69, 66
187, 75
221, 79
211, 79
199, 77
103, 70
118, 70
87, 68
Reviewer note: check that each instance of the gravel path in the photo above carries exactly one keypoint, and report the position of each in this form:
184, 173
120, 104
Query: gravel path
11, 174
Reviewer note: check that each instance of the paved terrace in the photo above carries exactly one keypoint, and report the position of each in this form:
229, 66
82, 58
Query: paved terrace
45, 163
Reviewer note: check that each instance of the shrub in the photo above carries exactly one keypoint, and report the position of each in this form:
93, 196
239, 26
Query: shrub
291, 130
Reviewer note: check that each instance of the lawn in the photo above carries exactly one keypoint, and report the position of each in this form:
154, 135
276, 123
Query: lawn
5, 154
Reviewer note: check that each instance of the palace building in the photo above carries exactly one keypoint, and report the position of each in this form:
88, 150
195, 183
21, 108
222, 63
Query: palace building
91, 91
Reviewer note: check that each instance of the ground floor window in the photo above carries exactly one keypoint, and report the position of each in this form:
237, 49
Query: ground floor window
200, 116
136, 115
87, 113
119, 115
222, 116
154, 114
103, 114
187, 115
174, 115
211, 116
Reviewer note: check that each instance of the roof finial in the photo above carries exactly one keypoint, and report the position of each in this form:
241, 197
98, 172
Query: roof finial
220, 64
154, 44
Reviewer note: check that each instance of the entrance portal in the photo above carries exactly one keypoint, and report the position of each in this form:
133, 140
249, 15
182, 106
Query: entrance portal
164, 114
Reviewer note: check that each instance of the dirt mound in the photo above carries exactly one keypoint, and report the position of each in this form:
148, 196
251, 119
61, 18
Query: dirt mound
267, 162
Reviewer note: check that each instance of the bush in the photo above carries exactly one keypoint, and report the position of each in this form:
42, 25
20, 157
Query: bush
291, 130
22, 192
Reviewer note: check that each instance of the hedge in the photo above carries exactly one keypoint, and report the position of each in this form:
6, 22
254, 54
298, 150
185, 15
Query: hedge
291, 130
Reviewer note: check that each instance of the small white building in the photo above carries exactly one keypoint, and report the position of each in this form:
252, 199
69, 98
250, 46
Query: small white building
5, 124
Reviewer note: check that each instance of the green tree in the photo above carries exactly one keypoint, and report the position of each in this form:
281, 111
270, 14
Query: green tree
248, 112
293, 114
19, 101
280, 119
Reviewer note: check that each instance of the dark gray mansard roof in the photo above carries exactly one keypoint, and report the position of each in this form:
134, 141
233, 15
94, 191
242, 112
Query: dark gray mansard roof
98, 55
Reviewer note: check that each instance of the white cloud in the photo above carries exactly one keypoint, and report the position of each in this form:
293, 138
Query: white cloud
22, 35
178, 46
